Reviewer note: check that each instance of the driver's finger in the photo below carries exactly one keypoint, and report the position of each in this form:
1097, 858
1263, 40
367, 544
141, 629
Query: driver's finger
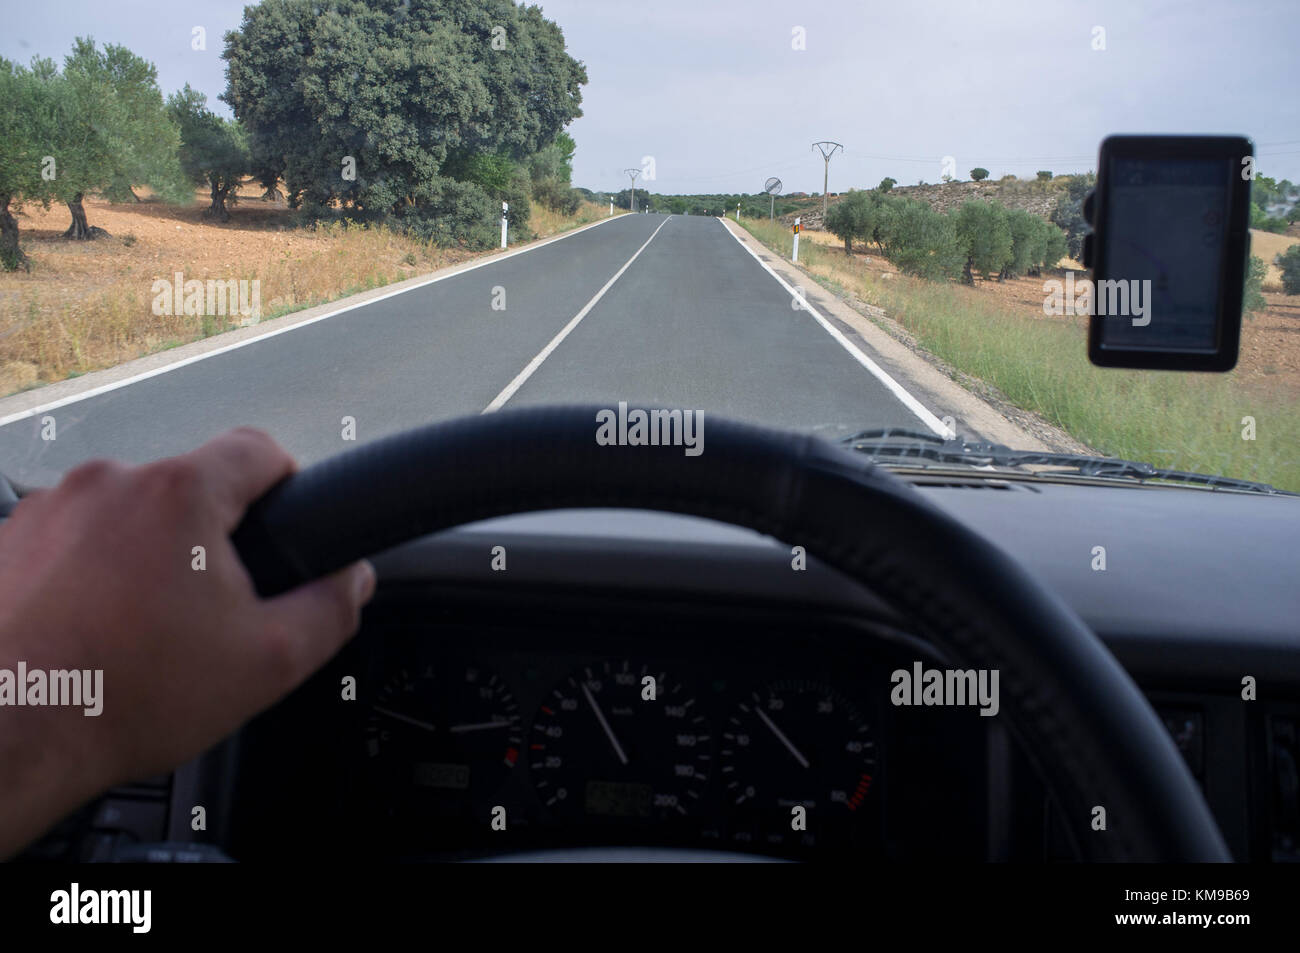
239, 466
307, 625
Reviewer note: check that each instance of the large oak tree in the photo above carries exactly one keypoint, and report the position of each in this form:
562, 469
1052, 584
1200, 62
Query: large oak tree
372, 105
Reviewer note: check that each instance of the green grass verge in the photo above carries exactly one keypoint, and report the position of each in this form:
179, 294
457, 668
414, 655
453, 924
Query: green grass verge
1186, 421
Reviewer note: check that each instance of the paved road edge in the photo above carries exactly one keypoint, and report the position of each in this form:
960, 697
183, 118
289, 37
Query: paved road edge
975, 417
38, 400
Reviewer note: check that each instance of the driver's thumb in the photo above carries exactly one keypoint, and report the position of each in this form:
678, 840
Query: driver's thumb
311, 623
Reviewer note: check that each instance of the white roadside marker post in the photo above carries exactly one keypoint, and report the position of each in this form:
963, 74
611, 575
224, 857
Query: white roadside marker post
505, 207
738, 211
795, 257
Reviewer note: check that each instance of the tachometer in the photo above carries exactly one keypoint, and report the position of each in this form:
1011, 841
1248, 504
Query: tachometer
619, 742
444, 739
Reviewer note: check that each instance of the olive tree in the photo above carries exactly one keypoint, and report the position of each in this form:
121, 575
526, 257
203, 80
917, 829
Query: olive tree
26, 125
919, 240
213, 152
112, 131
850, 218
984, 237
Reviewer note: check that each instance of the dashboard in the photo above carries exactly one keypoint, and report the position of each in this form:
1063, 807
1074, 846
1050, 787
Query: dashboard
548, 725
627, 679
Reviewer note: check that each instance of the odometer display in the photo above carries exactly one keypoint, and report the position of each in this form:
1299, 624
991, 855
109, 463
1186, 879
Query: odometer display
619, 799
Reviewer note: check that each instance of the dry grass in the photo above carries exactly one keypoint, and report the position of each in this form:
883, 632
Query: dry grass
1268, 245
88, 305
545, 222
997, 332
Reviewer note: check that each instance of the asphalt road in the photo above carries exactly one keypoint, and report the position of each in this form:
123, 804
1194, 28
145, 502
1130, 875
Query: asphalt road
692, 321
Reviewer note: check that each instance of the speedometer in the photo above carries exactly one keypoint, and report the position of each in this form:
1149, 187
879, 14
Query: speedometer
617, 741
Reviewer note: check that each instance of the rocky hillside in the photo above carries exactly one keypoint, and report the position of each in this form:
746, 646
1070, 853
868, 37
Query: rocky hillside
1032, 196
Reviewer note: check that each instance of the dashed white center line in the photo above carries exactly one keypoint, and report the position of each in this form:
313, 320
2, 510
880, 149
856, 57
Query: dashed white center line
544, 353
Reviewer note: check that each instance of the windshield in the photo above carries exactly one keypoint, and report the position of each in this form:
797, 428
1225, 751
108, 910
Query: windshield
338, 220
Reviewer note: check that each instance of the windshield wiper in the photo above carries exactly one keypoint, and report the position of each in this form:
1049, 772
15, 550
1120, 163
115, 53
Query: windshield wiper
899, 444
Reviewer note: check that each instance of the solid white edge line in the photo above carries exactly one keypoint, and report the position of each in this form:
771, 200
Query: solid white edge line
544, 353
895, 388
145, 375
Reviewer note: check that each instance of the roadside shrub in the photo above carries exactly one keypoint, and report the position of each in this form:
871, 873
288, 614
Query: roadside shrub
517, 194
557, 196
453, 212
490, 171
554, 161
1289, 262
1252, 298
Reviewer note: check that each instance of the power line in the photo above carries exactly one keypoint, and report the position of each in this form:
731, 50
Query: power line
1002, 159
776, 166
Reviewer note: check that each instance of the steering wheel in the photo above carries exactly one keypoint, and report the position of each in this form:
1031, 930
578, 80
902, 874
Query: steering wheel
1090, 732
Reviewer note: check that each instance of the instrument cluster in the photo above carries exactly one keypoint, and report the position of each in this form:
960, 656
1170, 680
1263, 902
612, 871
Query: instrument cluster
513, 747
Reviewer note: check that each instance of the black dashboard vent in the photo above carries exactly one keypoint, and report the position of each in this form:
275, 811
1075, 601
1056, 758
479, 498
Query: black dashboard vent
958, 483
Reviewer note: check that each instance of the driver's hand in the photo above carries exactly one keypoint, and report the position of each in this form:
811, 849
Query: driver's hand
101, 573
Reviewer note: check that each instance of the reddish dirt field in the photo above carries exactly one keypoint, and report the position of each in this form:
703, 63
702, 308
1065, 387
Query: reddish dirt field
61, 300
1270, 339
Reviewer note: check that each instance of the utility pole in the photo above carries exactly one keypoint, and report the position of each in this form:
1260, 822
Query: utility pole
828, 149
633, 173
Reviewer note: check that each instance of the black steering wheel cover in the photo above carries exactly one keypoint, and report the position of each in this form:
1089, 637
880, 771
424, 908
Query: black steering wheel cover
1093, 735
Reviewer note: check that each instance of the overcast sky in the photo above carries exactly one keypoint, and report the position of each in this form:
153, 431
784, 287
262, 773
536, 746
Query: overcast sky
716, 92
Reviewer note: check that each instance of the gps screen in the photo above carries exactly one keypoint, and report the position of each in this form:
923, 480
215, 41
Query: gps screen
1166, 227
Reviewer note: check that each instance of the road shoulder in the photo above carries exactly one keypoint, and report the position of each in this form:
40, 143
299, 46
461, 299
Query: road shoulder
977, 416
49, 396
